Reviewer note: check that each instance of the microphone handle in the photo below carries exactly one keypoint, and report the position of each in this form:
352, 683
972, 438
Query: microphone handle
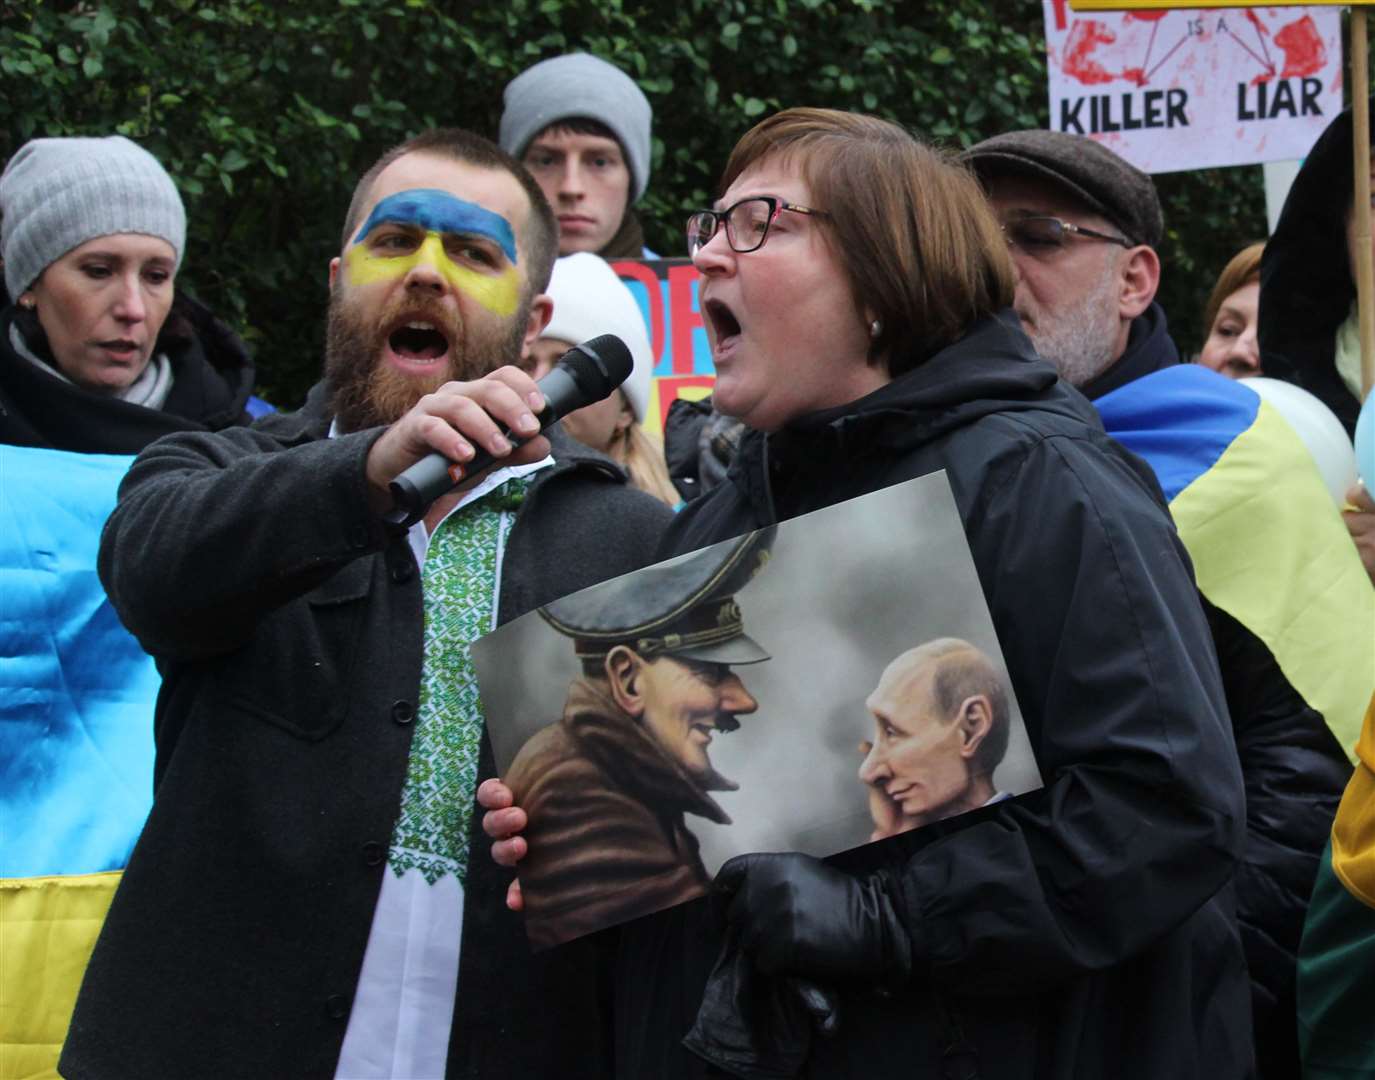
434, 475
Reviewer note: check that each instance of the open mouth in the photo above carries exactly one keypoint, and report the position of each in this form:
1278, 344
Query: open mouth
724, 324
120, 346
418, 342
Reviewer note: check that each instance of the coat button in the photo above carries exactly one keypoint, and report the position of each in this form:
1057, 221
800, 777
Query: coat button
337, 1006
403, 712
402, 572
373, 853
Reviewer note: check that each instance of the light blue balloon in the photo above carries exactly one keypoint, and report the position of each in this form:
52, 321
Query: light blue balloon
1365, 441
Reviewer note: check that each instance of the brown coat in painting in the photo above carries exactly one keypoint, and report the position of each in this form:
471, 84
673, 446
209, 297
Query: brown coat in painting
607, 836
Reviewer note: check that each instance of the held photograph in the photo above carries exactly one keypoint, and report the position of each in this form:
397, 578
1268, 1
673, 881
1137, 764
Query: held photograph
812, 687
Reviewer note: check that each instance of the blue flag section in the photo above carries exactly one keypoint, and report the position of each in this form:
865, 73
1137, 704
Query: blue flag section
76, 691
76, 743
1181, 420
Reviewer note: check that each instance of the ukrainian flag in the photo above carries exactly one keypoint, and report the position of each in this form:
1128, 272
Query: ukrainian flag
76, 743
1267, 543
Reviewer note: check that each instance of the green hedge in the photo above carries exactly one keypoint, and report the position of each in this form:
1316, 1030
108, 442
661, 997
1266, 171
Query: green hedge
266, 112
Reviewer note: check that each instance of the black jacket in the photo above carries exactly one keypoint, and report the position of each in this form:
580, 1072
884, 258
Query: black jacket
288, 627
1085, 930
1306, 287
213, 378
1293, 767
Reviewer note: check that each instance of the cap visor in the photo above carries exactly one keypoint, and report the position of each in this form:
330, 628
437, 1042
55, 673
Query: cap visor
741, 649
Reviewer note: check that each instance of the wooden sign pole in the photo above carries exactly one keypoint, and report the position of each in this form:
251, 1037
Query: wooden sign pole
1360, 126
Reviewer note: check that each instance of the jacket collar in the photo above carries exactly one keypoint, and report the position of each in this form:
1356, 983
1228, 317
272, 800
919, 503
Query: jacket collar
637, 764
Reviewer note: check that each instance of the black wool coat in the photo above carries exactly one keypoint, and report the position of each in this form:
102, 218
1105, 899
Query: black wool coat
287, 623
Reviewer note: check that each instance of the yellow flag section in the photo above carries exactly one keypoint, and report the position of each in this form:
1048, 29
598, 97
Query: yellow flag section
1317, 611
76, 742
1268, 544
1353, 833
48, 928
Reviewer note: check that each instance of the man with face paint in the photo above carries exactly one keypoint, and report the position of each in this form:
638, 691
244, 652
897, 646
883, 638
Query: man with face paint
308, 897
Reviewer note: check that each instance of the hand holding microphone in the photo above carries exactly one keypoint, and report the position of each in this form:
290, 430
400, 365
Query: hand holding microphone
585, 374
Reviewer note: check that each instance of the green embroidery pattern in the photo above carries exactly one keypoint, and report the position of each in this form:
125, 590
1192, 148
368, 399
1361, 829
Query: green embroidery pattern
460, 580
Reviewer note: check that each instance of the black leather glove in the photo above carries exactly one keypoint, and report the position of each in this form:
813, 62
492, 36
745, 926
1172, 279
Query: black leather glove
754, 1026
797, 916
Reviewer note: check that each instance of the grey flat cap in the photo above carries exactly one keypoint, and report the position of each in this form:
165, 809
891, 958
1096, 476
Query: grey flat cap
1091, 172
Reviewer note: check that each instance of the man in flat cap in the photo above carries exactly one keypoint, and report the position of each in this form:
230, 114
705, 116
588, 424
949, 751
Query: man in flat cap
1082, 225
608, 786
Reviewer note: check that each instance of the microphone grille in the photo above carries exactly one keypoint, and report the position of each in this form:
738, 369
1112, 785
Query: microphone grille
604, 359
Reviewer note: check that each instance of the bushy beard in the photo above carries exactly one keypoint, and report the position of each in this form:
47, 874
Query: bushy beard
368, 392
1080, 340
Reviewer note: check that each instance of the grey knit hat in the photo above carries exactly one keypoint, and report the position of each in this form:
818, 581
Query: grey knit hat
1099, 178
579, 85
55, 194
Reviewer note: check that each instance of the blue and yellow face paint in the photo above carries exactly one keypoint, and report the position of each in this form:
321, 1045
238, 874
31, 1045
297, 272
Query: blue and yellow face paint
437, 216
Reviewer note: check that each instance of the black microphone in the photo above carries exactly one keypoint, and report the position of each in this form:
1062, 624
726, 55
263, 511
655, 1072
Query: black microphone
585, 373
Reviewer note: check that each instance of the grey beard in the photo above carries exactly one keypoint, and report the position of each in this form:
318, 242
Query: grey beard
1081, 341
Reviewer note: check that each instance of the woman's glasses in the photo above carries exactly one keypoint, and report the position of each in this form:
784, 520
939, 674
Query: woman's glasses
746, 223
1044, 236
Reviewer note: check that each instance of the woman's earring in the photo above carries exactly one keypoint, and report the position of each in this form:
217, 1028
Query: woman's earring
875, 328
26, 302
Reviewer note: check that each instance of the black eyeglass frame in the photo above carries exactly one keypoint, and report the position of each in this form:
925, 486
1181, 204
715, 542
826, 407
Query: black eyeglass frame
720, 219
1065, 228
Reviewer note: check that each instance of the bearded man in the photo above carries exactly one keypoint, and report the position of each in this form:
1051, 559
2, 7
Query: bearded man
308, 898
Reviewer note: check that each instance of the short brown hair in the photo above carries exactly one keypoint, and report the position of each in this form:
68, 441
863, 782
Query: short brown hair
911, 226
1243, 269
474, 150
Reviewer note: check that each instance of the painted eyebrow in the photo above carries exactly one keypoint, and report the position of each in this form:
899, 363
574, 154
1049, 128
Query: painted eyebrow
438, 211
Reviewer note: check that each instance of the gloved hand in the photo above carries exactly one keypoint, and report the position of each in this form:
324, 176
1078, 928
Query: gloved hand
757, 1027
797, 916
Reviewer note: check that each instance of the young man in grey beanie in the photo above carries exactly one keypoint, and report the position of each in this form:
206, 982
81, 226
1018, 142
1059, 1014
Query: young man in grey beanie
582, 128
1082, 225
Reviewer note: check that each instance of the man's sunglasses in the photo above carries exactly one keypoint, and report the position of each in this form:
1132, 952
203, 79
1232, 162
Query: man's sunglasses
1046, 235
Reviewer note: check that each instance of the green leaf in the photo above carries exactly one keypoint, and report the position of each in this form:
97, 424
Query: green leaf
91, 67
753, 106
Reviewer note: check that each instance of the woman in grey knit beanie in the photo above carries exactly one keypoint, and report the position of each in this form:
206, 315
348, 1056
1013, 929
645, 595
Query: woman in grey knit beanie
91, 233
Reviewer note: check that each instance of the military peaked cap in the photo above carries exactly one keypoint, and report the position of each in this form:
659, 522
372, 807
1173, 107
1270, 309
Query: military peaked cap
684, 607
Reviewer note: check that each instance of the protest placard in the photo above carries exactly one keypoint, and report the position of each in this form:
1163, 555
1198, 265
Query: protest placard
812, 687
666, 290
1187, 89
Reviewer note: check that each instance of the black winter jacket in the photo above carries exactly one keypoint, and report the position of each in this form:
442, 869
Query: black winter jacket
287, 624
1085, 930
1306, 287
213, 378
